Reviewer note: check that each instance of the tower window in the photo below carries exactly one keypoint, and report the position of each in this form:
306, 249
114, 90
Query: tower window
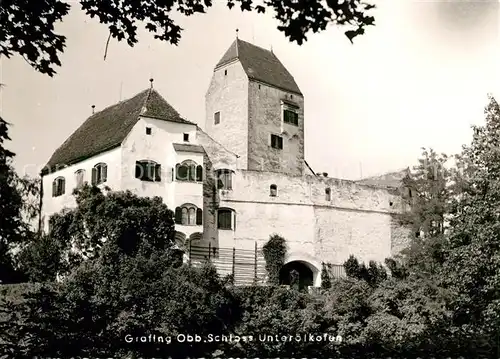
186, 137
225, 72
148, 130
291, 117
273, 190
328, 195
217, 118
277, 142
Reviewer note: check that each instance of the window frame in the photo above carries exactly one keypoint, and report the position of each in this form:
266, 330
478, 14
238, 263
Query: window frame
58, 186
188, 214
273, 190
194, 171
99, 173
216, 118
80, 172
232, 219
295, 118
155, 174
227, 175
278, 143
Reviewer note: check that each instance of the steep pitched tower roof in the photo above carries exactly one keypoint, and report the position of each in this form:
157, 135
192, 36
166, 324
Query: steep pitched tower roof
260, 65
108, 128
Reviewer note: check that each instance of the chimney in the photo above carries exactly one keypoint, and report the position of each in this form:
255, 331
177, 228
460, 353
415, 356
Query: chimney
93, 109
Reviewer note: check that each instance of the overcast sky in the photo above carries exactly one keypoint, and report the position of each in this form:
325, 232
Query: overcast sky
418, 78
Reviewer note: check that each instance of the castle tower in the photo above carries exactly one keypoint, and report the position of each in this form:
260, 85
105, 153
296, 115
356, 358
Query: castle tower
255, 109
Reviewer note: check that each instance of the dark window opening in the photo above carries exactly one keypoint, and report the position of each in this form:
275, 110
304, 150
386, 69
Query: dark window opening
217, 118
186, 137
291, 117
224, 179
189, 171
225, 219
99, 173
225, 72
188, 215
148, 130
58, 187
277, 142
328, 196
273, 190
148, 171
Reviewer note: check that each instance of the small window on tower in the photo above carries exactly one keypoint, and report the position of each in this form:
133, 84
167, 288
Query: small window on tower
225, 72
186, 137
277, 142
291, 117
148, 130
217, 118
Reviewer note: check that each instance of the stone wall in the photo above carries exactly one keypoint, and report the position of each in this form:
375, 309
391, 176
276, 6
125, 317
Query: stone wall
228, 95
265, 113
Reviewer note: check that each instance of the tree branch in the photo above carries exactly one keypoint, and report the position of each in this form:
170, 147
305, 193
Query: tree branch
107, 44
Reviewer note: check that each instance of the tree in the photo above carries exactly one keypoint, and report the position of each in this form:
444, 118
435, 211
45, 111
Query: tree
28, 27
18, 205
274, 254
102, 224
472, 266
106, 305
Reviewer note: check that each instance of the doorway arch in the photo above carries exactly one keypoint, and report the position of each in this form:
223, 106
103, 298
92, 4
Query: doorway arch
305, 273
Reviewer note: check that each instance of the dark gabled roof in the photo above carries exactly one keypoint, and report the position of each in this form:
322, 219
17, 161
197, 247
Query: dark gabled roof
260, 64
183, 147
108, 128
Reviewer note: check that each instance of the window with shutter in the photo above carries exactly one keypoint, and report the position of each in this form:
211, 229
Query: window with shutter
99, 173
199, 216
199, 173
178, 215
58, 187
146, 170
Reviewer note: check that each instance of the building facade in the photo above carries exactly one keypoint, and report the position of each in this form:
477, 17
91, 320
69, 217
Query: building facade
240, 179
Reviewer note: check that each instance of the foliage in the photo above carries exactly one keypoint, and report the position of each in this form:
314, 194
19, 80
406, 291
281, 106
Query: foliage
428, 194
41, 259
108, 223
274, 254
16, 209
326, 282
93, 311
374, 274
28, 28
294, 279
472, 266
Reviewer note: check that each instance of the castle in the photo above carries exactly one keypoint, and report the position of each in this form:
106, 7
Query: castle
240, 179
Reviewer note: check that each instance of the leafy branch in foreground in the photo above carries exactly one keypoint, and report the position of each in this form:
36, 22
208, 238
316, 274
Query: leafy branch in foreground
28, 27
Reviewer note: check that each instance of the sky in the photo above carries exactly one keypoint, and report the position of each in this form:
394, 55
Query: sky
419, 78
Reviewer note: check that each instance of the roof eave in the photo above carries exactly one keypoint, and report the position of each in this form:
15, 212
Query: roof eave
48, 167
297, 92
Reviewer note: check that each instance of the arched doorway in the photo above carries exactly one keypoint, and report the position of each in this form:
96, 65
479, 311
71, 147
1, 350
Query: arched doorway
304, 271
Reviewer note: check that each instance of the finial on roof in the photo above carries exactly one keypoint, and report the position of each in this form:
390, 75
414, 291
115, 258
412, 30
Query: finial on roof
237, 33
272, 49
93, 109
151, 80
